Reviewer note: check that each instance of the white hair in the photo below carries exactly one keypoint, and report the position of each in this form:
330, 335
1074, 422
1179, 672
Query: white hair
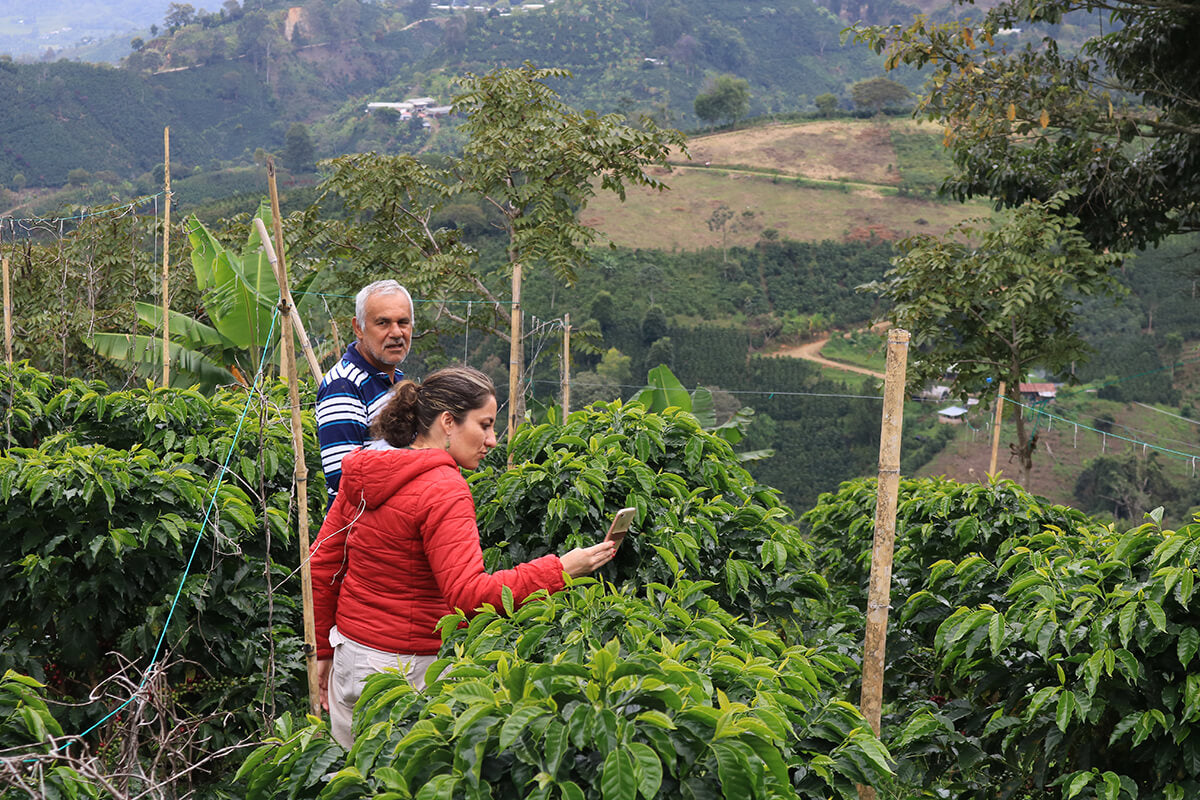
387, 286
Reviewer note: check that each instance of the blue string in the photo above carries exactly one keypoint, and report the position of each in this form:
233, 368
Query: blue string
203, 526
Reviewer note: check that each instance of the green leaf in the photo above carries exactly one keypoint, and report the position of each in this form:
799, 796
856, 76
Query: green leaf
617, 778
656, 718
1067, 707
1112, 786
920, 724
1189, 641
996, 633
517, 722
648, 769
440, 787
571, 791
506, 600
872, 748
733, 770
1155, 612
1125, 621
1077, 784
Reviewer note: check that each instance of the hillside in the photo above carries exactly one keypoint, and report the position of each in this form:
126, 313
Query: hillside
814, 181
232, 82
28, 30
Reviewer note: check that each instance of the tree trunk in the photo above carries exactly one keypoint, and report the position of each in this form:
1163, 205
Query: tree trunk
1024, 448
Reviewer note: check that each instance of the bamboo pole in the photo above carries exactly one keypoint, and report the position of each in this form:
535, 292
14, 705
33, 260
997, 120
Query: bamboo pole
277, 224
996, 429
888, 487
8, 331
166, 267
566, 382
300, 471
515, 361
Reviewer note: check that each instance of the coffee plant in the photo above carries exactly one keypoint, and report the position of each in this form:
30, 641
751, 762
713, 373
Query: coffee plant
698, 509
102, 498
595, 693
1033, 652
656, 680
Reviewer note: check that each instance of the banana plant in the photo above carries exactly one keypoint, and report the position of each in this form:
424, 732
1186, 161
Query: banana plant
663, 390
240, 295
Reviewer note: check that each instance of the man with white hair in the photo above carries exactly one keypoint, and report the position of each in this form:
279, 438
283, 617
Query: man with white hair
352, 393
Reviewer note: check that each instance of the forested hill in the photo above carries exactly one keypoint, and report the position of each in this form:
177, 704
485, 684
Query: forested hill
233, 81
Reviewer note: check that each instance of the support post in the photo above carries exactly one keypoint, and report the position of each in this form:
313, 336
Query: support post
166, 266
887, 490
277, 223
516, 406
566, 366
300, 469
8, 332
996, 429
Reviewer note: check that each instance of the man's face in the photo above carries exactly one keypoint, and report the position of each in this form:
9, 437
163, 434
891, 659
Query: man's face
385, 340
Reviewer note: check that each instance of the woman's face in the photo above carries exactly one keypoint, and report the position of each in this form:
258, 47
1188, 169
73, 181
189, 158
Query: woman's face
471, 439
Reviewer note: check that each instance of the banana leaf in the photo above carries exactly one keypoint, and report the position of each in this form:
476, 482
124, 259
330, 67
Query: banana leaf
240, 289
189, 332
188, 367
663, 391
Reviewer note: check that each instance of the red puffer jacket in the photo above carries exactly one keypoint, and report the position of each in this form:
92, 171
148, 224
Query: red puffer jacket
400, 549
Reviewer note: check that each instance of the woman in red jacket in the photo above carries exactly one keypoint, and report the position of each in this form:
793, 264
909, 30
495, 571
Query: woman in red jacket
399, 548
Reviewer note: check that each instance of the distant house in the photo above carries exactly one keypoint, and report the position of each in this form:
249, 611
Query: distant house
412, 107
404, 109
952, 415
1034, 392
938, 393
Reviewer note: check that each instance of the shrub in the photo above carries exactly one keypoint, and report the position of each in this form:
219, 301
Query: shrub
595, 693
647, 682
102, 495
698, 509
1033, 652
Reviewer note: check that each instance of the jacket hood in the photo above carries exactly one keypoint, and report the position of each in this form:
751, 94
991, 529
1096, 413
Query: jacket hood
376, 475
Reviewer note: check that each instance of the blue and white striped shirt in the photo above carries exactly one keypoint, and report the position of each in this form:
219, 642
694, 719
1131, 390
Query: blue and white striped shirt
349, 398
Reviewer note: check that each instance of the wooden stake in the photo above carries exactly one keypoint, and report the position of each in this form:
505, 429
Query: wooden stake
516, 408
337, 339
8, 332
300, 471
888, 488
277, 224
996, 429
566, 366
166, 270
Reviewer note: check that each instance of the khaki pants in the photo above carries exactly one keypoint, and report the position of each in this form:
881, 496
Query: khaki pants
353, 663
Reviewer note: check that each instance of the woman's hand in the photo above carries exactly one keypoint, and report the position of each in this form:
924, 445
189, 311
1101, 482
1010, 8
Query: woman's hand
586, 560
323, 666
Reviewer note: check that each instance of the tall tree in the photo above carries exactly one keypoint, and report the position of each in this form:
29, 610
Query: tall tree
530, 157
298, 150
1119, 119
724, 97
876, 94
992, 303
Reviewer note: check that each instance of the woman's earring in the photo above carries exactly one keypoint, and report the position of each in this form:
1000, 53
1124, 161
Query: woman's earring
447, 445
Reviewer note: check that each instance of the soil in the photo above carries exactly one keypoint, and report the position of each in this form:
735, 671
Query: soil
811, 351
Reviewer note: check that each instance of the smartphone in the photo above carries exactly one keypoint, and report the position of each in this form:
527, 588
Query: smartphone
620, 526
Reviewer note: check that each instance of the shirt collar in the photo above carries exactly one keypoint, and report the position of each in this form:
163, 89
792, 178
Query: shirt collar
356, 358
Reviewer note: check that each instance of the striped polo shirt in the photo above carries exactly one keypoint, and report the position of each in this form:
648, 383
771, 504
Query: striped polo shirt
349, 398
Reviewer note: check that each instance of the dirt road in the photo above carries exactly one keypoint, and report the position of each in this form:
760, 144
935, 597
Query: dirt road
811, 351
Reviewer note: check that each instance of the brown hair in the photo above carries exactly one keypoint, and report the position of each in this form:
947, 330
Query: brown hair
413, 408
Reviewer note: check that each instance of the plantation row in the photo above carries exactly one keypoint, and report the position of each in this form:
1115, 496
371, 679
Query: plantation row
1033, 652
